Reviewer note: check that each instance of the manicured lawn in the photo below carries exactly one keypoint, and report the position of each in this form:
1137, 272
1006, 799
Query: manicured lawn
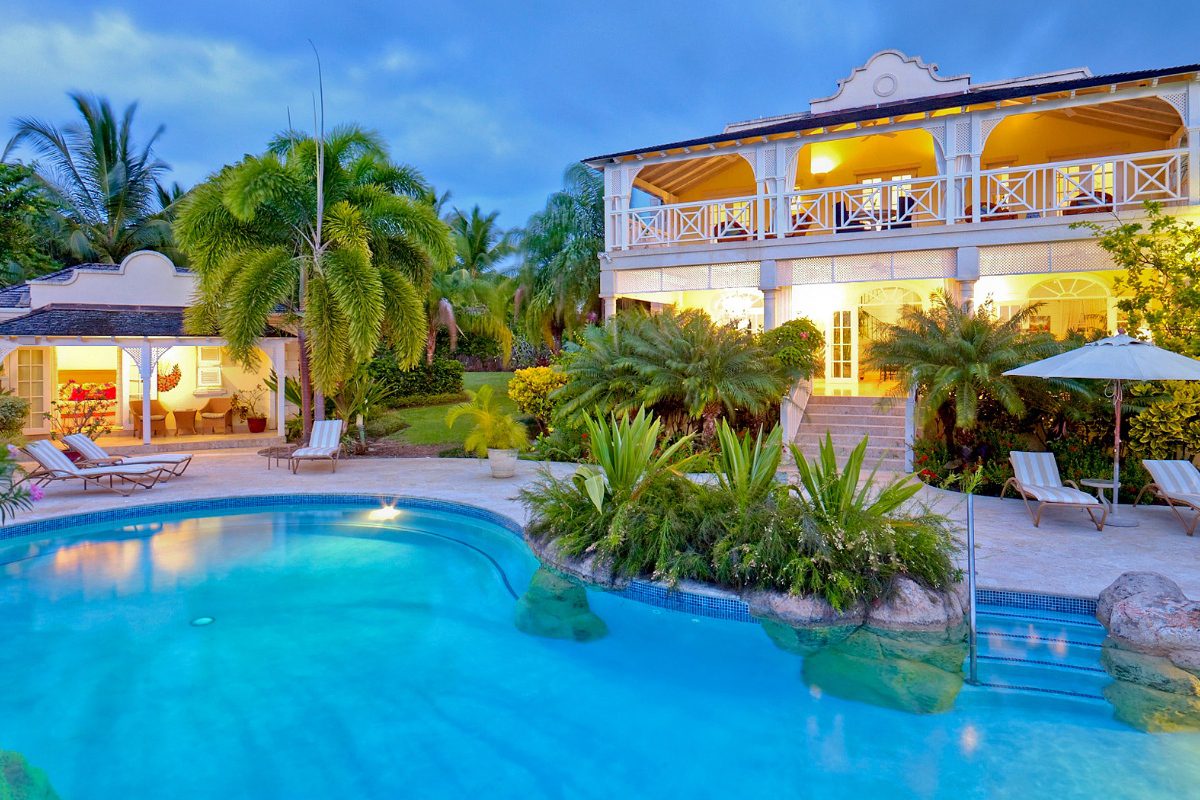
427, 424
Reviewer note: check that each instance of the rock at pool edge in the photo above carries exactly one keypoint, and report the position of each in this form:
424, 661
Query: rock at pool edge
556, 607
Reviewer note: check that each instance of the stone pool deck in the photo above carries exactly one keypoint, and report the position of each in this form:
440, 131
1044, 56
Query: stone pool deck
1065, 556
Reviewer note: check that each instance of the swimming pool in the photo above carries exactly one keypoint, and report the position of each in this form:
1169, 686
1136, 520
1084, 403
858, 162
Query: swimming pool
367, 654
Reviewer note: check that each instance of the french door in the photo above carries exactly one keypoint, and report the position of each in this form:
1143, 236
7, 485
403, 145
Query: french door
841, 367
33, 384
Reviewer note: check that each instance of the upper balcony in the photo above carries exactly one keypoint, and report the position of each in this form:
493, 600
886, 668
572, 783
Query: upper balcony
1058, 163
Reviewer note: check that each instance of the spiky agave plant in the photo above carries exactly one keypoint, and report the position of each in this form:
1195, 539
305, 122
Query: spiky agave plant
745, 466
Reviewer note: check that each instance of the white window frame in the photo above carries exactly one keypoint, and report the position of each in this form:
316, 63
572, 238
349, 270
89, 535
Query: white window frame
209, 375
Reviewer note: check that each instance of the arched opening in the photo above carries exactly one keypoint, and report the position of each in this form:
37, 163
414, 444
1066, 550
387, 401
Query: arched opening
877, 181
1082, 160
1070, 304
707, 199
878, 308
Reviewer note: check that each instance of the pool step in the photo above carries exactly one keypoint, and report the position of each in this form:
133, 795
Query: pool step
1056, 654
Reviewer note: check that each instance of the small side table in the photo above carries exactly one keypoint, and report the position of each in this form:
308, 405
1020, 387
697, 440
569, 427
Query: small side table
278, 454
185, 421
1101, 485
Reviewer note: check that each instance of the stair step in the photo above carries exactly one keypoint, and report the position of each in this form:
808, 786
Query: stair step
846, 426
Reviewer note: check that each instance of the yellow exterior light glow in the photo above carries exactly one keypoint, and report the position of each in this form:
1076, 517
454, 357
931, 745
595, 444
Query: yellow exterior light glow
383, 514
821, 165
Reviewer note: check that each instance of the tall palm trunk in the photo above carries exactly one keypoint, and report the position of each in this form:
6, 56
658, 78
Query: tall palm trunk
305, 388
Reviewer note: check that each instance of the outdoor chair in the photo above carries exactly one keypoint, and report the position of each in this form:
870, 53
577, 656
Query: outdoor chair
217, 413
1036, 477
324, 444
1178, 484
53, 465
158, 417
93, 455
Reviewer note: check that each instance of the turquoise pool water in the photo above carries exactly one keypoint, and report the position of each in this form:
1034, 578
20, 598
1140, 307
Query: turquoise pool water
351, 657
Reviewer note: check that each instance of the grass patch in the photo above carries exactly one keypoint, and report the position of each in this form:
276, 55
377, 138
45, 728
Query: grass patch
427, 424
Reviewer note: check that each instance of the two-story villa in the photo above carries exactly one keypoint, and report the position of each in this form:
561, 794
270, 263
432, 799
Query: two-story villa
900, 183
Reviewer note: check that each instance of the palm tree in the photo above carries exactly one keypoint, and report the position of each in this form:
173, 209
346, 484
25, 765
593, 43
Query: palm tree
323, 235
560, 276
464, 303
479, 244
104, 187
955, 356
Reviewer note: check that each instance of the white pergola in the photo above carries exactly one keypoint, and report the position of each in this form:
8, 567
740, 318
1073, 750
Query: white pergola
145, 351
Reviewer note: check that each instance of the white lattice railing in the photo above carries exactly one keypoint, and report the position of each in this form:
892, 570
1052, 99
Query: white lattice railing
1066, 188
885, 205
729, 219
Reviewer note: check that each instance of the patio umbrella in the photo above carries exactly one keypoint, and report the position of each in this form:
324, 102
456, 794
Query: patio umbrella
1118, 359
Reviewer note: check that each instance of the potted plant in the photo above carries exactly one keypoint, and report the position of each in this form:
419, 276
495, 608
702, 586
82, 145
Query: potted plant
247, 404
496, 435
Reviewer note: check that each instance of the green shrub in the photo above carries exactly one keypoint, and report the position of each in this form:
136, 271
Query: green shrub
1168, 427
385, 424
531, 390
443, 376
14, 411
845, 539
418, 400
490, 429
799, 345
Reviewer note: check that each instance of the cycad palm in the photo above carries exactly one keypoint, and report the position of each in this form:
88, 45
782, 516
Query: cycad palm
955, 356
104, 186
342, 252
560, 276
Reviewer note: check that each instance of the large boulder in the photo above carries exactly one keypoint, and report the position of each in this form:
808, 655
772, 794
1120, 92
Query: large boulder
802, 611
909, 606
806, 640
556, 607
591, 568
20, 781
1152, 652
1148, 613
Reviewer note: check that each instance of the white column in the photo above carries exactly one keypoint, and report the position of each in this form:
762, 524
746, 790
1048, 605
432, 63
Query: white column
770, 299
279, 364
1193, 149
966, 273
608, 295
146, 368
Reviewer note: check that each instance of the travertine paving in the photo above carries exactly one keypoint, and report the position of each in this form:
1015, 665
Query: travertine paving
1066, 555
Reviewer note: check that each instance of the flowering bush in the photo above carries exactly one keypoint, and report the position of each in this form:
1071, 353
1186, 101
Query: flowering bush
86, 408
798, 344
531, 390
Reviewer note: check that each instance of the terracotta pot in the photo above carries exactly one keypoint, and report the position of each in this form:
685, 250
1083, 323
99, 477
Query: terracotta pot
256, 424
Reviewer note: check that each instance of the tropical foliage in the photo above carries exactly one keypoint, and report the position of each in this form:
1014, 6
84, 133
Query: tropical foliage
324, 235
1168, 424
460, 301
14, 412
480, 245
1160, 290
561, 246
14, 494
687, 369
24, 208
838, 536
798, 345
490, 429
103, 187
531, 390
955, 356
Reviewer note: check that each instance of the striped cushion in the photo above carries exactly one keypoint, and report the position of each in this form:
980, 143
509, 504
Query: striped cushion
1036, 469
51, 458
1059, 494
120, 469
156, 458
1174, 477
85, 446
326, 433
1186, 499
314, 452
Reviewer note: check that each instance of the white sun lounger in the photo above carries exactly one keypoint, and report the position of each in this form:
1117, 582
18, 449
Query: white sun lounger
1035, 476
96, 456
1177, 483
324, 444
53, 465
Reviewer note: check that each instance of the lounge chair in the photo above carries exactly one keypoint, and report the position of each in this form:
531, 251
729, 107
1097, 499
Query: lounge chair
1036, 477
217, 413
53, 465
324, 444
1177, 483
95, 456
158, 417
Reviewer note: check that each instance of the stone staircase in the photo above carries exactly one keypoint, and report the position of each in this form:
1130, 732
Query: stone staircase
847, 420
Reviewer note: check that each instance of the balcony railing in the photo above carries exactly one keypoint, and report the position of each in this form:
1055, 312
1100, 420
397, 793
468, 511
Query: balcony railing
1063, 188
1066, 188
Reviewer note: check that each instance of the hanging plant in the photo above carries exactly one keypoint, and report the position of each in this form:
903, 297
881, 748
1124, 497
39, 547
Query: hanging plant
168, 378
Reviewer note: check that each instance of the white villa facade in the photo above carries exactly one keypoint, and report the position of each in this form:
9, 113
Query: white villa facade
901, 183
116, 326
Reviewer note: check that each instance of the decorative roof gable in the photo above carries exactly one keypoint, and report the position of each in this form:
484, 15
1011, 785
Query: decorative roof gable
887, 77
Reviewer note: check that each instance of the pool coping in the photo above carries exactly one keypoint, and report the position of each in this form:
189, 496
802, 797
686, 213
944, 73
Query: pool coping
717, 604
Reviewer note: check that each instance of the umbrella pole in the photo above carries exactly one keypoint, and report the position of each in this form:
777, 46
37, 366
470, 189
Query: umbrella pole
1123, 522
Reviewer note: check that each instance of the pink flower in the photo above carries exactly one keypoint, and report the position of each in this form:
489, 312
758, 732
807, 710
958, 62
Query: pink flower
36, 493
803, 334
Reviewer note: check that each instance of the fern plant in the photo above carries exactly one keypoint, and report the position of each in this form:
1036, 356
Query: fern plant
746, 467
491, 429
